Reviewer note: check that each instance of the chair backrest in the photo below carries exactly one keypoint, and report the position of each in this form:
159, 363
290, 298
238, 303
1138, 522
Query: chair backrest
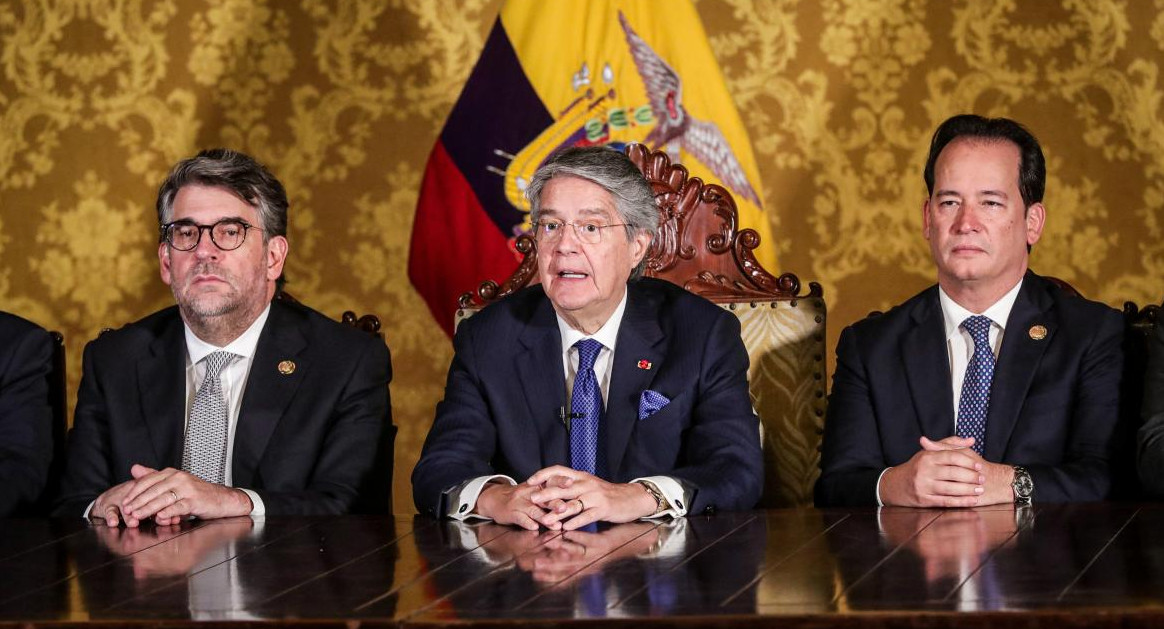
1140, 328
58, 398
701, 248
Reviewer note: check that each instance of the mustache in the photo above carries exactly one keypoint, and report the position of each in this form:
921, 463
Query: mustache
206, 268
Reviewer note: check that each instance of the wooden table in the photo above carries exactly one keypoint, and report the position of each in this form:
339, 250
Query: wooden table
1053, 565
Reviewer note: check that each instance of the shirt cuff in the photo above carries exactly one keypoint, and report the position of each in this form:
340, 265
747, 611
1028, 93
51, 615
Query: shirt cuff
877, 489
462, 501
677, 498
258, 509
85, 515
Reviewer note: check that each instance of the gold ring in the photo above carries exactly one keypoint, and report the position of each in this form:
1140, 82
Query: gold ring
176, 498
581, 504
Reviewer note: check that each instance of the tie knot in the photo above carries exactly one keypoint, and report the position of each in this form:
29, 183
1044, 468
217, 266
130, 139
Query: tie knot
216, 361
979, 328
587, 353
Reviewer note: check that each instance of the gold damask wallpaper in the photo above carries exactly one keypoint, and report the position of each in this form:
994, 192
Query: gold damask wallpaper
344, 98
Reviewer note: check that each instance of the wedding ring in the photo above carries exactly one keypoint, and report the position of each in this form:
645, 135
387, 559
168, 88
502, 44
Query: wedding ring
581, 504
174, 495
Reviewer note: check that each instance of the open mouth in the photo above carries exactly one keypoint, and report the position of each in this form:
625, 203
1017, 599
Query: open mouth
572, 275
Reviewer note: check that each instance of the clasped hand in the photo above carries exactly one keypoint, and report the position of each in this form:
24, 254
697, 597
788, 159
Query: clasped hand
947, 473
167, 496
561, 498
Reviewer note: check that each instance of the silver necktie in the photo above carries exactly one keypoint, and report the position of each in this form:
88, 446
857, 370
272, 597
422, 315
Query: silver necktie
204, 452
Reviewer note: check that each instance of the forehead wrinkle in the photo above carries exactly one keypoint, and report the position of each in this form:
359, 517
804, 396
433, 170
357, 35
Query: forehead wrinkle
586, 211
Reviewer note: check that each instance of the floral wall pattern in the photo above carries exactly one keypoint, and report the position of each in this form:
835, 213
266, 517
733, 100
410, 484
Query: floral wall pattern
344, 98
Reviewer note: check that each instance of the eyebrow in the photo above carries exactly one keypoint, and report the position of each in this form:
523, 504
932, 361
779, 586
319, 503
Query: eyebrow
952, 193
217, 220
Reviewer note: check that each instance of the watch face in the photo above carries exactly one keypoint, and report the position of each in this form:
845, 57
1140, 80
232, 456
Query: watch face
1023, 485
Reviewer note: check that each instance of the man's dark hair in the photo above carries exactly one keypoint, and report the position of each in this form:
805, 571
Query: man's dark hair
1032, 167
234, 171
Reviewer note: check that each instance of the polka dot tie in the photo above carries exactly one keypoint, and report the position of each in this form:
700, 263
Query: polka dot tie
586, 408
204, 453
975, 400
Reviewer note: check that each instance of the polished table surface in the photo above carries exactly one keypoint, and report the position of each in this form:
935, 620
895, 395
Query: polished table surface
1050, 565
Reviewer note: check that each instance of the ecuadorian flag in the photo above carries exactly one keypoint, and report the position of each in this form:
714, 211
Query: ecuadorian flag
561, 73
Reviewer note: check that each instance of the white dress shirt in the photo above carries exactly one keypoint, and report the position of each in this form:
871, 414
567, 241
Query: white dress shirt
960, 345
234, 382
677, 498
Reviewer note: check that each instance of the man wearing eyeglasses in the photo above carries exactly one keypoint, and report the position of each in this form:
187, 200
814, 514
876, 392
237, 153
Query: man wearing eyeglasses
229, 403
593, 395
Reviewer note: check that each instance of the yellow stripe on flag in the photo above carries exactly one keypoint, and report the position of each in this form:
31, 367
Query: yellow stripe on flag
581, 61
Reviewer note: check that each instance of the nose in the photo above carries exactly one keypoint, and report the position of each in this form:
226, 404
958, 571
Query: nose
966, 221
569, 242
206, 249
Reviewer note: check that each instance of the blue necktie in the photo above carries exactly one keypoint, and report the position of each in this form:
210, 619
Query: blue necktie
586, 407
975, 400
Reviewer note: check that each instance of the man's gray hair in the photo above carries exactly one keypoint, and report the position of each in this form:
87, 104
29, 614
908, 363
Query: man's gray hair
234, 171
612, 171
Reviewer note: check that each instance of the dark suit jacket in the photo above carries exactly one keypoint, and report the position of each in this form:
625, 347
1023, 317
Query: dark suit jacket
1054, 403
307, 442
1150, 440
26, 445
506, 387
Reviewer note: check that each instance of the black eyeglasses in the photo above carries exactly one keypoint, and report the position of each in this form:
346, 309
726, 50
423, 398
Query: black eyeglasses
227, 234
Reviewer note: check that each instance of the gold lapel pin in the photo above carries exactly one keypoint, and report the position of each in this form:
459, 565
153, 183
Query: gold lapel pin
287, 367
1038, 332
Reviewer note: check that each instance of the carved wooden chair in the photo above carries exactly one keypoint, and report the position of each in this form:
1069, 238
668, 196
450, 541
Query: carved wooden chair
701, 248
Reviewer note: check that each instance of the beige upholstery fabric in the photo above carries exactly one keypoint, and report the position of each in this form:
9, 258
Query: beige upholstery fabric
786, 346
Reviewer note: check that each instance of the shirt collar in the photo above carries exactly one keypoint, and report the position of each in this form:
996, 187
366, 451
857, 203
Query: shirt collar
954, 314
244, 345
607, 334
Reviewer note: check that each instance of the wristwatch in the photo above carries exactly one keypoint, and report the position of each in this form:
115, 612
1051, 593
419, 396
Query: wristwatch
661, 503
1023, 486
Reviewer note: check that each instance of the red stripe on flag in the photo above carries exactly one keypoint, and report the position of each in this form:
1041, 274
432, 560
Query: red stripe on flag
455, 245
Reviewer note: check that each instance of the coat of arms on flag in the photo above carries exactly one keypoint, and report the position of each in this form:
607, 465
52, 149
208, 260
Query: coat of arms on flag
562, 73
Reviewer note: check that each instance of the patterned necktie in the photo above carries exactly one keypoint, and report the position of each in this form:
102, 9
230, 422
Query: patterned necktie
975, 400
586, 409
204, 453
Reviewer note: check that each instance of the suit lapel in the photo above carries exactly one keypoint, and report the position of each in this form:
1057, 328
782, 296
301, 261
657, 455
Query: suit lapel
1018, 360
639, 338
161, 379
927, 368
543, 384
268, 390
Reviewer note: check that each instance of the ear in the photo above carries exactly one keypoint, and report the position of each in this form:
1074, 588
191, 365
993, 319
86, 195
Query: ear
277, 248
164, 263
926, 224
640, 243
1036, 218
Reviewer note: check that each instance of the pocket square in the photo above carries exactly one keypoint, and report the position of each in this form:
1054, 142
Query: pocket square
651, 402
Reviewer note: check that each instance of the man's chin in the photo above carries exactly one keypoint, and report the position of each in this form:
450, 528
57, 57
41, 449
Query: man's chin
205, 308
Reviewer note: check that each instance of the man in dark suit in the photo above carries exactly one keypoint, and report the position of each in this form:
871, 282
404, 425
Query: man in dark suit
590, 398
229, 403
995, 386
26, 441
